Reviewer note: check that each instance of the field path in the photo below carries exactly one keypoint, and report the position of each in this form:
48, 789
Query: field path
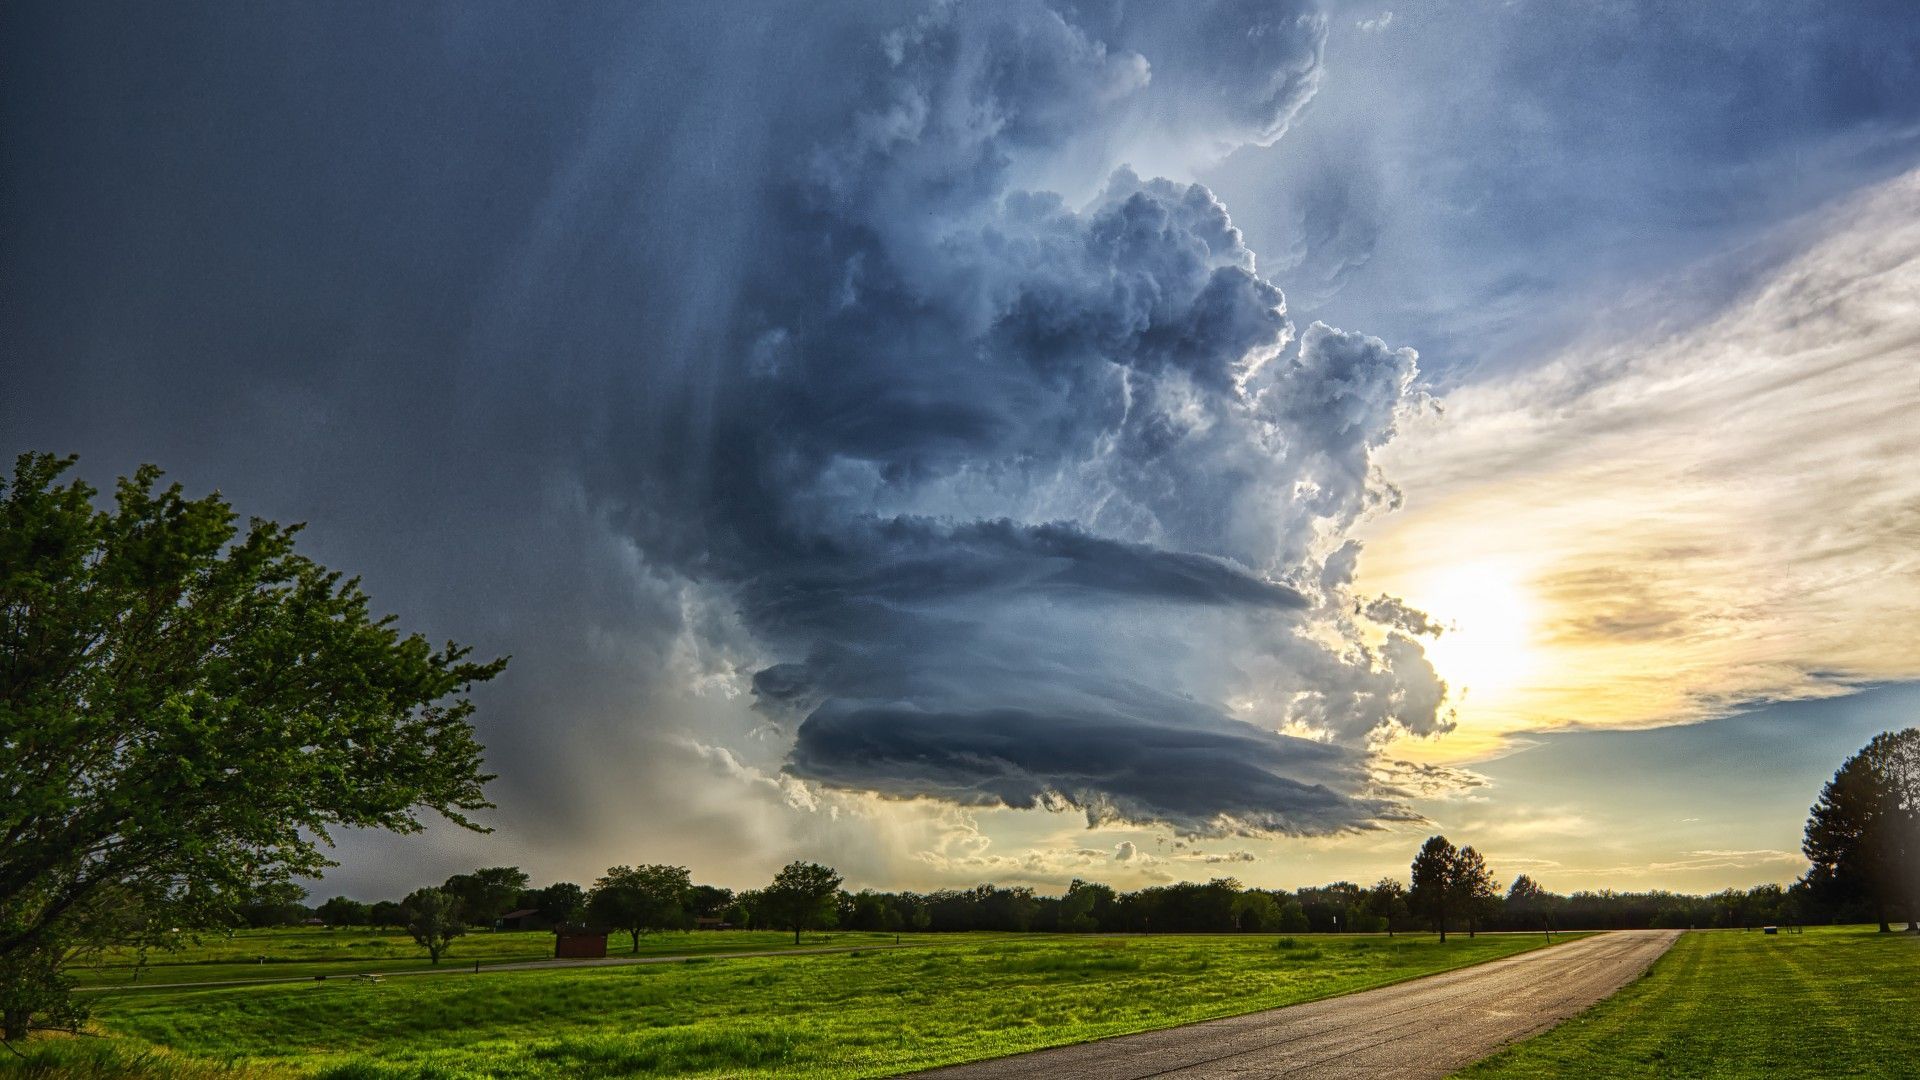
1425, 1027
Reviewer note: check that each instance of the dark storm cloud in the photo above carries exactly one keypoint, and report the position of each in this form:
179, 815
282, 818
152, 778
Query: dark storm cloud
968, 430
834, 349
907, 560
1192, 771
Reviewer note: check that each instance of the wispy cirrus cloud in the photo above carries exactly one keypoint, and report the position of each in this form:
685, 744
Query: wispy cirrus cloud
1692, 519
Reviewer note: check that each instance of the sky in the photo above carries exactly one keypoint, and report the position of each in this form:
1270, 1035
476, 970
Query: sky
1033, 440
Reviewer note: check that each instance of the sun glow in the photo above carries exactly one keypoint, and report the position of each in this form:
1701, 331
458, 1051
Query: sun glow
1489, 615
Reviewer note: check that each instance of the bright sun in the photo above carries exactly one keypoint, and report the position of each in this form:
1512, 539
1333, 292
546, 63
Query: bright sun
1488, 614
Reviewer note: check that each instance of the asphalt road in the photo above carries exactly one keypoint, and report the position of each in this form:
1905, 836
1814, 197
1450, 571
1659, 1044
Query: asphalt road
1425, 1027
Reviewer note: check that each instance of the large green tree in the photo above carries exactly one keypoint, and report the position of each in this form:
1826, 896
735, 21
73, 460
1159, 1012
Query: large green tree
187, 709
801, 897
1863, 835
642, 899
434, 919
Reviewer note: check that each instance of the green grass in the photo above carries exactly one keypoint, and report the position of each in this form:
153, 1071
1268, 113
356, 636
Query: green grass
847, 1015
304, 953
100, 1059
1724, 1004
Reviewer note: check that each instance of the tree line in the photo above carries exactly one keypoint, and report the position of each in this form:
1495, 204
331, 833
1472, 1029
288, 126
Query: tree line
1449, 889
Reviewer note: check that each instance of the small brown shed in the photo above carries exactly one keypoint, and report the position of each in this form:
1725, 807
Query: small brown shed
579, 944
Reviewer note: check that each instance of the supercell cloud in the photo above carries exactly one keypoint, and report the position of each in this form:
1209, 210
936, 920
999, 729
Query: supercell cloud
1011, 462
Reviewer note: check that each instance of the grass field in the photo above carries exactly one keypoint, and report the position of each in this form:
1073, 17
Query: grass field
848, 1015
1834, 1001
259, 954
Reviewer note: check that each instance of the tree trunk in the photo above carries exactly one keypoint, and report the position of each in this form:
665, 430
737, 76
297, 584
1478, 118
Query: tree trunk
796, 933
14, 1026
636, 941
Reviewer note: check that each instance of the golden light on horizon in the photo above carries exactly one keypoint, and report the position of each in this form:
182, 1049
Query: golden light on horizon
1489, 615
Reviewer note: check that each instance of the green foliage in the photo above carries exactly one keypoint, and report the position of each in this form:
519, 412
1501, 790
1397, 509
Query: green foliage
1732, 1005
434, 920
1432, 893
1863, 835
712, 902
274, 903
486, 894
1254, 911
387, 913
1293, 917
34, 988
885, 1012
187, 710
1387, 900
642, 899
561, 902
1081, 909
1475, 895
342, 911
801, 897
871, 911
1450, 881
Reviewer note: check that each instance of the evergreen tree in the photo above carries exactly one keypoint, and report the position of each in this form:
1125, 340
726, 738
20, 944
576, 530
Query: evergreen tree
1433, 892
1863, 835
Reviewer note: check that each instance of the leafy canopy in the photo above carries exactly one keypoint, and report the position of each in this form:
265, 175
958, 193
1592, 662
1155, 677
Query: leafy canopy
642, 899
434, 919
802, 896
187, 709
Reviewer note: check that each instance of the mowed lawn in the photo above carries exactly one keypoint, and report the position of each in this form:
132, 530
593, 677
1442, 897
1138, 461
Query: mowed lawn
872, 1013
302, 953
1834, 1001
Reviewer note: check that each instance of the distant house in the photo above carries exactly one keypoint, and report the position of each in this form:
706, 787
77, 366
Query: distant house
705, 923
523, 919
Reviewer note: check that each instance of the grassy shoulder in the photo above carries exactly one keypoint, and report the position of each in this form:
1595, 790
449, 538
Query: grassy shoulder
845, 1015
1834, 1001
302, 953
